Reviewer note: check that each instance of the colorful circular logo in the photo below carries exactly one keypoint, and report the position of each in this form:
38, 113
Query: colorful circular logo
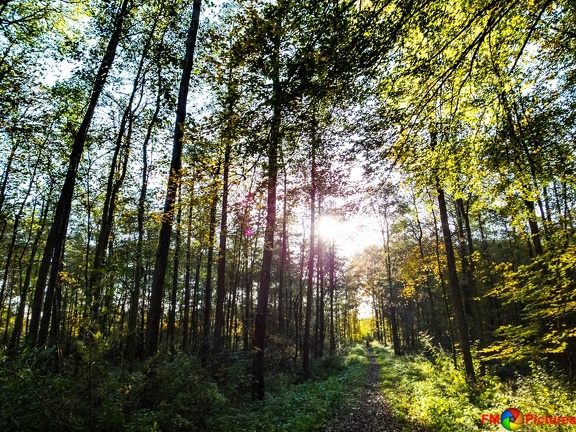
512, 419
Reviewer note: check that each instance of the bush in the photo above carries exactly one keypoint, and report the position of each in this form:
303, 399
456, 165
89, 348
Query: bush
435, 393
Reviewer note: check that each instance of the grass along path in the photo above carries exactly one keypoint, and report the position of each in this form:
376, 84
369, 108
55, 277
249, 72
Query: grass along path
429, 393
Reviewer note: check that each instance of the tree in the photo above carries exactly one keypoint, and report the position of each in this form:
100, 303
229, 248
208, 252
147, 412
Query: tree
157, 295
54, 248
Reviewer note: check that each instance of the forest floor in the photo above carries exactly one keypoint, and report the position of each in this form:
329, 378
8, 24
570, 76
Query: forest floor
371, 411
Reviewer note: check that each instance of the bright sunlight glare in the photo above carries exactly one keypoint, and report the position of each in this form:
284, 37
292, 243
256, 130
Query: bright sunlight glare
349, 236
329, 228
365, 310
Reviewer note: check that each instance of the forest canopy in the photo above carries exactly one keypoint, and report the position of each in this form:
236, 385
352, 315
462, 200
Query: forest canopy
180, 180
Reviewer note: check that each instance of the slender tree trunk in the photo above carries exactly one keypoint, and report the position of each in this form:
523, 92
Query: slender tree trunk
221, 270
283, 256
470, 273
15, 228
51, 257
187, 281
209, 266
433, 316
249, 263
195, 301
133, 336
299, 302
157, 295
116, 177
332, 287
393, 300
6, 174
18, 324
173, 296
534, 229
310, 280
321, 285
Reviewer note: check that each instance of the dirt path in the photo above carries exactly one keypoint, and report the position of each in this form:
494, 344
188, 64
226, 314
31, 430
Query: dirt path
370, 413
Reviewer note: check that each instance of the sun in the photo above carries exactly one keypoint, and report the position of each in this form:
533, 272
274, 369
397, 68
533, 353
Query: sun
348, 236
329, 228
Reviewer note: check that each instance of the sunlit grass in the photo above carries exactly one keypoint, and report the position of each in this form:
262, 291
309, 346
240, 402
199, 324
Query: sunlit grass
431, 391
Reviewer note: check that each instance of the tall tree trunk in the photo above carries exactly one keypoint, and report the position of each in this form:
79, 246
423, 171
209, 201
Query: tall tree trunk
299, 302
283, 256
157, 295
15, 228
6, 174
469, 272
310, 280
116, 177
51, 257
173, 296
455, 288
207, 321
133, 337
18, 324
393, 300
274, 141
196, 301
433, 317
187, 280
248, 281
221, 270
332, 287
321, 300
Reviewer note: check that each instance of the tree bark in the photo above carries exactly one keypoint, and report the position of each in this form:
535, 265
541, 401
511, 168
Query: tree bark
221, 269
18, 324
310, 280
116, 177
187, 281
133, 338
157, 295
209, 266
259, 340
283, 257
173, 296
534, 229
332, 287
455, 288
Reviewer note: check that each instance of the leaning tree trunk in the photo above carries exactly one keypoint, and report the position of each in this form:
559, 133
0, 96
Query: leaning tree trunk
116, 177
57, 234
157, 295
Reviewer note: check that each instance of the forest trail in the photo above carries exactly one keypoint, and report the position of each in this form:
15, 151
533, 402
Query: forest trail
370, 412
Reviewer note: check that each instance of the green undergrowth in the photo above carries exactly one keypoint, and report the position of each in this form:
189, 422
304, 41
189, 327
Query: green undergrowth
302, 407
430, 391
172, 394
